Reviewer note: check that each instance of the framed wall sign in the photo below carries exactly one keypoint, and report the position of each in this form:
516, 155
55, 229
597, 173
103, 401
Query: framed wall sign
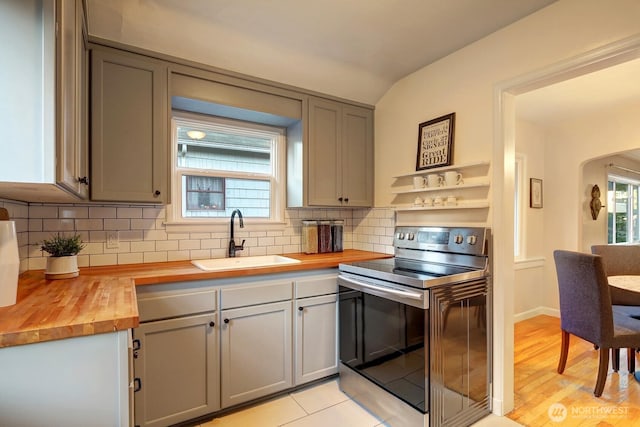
535, 193
435, 142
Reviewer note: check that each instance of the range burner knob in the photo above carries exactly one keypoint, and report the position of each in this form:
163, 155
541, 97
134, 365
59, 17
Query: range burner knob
410, 236
472, 240
458, 239
401, 236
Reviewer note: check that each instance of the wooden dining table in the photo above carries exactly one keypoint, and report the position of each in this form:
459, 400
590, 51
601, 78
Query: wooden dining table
630, 283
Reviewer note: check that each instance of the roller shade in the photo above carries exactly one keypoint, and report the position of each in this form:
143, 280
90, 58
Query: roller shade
235, 96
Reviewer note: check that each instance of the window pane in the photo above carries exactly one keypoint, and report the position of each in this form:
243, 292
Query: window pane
217, 150
213, 197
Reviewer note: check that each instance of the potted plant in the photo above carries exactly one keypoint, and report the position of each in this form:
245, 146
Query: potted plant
63, 261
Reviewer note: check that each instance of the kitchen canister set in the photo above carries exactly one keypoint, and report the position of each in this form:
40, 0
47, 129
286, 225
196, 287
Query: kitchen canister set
447, 179
9, 260
320, 236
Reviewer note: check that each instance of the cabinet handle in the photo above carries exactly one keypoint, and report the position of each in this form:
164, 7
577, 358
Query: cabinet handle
84, 180
340, 199
156, 193
212, 324
346, 200
137, 385
135, 347
300, 308
226, 320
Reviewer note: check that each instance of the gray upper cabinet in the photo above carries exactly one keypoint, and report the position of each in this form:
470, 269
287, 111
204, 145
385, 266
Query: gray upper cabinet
44, 143
340, 154
129, 111
71, 99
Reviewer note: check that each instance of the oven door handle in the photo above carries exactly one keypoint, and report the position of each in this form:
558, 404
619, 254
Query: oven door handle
407, 294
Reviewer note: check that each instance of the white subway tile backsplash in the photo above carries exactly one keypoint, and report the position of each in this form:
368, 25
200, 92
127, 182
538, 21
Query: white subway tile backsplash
129, 213
89, 224
104, 259
143, 238
189, 244
143, 246
102, 212
167, 245
143, 224
130, 258
117, 224
36, 211
154, 257
58, 225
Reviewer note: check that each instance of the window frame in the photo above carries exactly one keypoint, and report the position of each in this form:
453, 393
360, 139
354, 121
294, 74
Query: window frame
277, 179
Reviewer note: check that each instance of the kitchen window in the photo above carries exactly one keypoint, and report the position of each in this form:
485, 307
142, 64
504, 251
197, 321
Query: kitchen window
222, 164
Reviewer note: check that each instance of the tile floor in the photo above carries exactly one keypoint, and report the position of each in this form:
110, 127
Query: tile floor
321, 405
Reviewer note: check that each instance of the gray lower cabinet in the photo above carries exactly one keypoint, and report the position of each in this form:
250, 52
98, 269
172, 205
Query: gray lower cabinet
176, 370
129, 116
255, 351
316, 338
316, 325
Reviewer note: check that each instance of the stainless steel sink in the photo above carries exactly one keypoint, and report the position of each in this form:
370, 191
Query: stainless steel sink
221, 264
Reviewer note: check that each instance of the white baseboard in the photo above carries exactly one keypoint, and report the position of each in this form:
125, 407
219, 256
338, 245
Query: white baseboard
536, 312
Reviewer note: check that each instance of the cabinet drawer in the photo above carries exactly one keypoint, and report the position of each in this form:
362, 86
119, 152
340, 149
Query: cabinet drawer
318, 285
260, 293
167, 306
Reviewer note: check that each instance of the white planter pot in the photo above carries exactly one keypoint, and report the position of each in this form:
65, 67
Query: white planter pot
62, 267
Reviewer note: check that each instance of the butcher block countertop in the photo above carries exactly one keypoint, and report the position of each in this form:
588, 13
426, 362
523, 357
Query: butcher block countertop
103, 299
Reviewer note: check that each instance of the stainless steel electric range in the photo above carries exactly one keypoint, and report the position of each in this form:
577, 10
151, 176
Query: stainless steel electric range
415, 330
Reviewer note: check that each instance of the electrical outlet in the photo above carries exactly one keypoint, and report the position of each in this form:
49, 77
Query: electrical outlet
113, 240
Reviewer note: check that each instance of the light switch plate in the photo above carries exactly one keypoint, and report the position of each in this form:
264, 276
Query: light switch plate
113, 240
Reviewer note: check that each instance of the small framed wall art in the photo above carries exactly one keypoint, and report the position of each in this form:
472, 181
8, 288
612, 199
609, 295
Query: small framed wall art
535, 193
435, 142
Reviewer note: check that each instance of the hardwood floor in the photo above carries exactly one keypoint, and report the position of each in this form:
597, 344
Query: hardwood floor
539, 389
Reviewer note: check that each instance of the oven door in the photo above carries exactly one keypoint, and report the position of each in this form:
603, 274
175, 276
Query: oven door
382, 336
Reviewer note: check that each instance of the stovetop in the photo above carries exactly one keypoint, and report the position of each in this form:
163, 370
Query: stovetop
429, 256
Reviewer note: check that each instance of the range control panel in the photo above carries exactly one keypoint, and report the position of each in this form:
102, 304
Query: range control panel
462, 240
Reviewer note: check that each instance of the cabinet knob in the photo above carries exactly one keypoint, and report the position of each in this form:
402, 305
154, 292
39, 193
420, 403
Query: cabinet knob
226, 320
340, 199
156, 193
300, 308
212, 324
346, 200
83, 180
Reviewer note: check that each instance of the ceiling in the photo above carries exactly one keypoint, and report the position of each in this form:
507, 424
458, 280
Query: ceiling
353, 49
583, 95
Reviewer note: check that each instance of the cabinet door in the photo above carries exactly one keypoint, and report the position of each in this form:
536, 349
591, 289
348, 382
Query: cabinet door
255, 351
128, 127
357, 156
324, 178
71, 89
316, 338
177, 366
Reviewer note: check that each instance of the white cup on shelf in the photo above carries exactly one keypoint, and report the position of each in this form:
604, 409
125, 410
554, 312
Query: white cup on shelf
434, 180
437, 201
417, 201
418, 182
452, 178
428, 201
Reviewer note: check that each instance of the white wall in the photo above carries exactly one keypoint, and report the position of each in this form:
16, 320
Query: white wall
465, 82
529, 268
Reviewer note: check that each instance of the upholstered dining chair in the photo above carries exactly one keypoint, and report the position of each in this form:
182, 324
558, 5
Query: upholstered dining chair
586, 311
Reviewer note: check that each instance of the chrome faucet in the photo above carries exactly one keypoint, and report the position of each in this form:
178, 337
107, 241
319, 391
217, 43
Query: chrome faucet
233, 248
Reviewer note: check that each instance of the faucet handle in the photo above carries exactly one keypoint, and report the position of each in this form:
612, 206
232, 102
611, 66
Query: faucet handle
241, 246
